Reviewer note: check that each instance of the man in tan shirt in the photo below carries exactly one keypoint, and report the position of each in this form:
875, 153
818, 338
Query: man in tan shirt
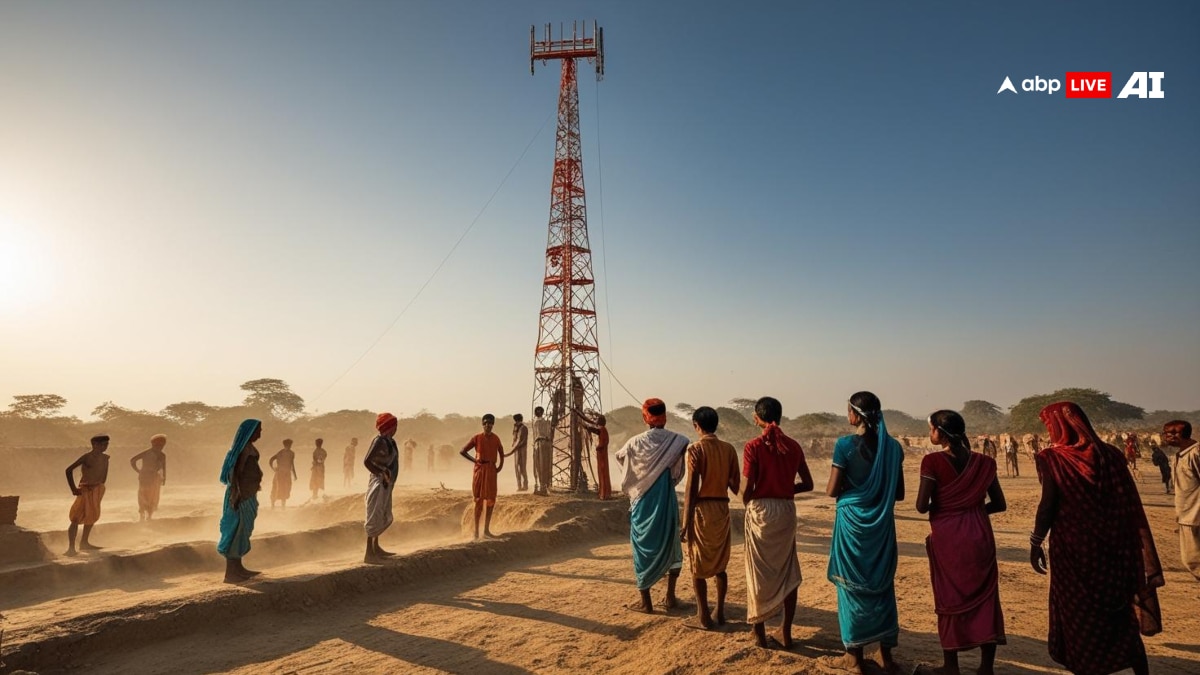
712, 467
1178, 434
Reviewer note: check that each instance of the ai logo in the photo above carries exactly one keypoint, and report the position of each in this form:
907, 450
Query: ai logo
1092, 84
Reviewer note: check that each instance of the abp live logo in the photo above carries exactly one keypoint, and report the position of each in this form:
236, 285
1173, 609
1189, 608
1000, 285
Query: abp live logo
1143, 84
1093, 84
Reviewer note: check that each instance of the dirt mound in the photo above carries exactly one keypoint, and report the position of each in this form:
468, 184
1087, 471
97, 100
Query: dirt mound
77, 640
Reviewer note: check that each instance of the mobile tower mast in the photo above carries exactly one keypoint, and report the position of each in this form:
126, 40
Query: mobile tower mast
566, 364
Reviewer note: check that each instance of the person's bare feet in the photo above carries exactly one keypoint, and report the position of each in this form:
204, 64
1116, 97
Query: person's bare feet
670, 602
71, 553
639, 606
488, 535
785, 641
90, 547
720, 620
846, 663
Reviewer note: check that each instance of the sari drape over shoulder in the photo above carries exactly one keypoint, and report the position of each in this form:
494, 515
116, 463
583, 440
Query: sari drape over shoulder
863, 554
653, 464
962, 557
1104, 568
237, 521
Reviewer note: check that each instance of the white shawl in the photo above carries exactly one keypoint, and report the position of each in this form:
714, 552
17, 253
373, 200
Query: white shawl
645, 456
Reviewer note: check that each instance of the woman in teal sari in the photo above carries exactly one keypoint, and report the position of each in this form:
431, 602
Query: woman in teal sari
243, 476
867, 480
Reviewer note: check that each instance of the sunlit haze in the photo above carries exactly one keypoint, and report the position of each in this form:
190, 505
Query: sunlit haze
804, 201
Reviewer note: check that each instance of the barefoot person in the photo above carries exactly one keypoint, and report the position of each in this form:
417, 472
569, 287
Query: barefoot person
488, 460
348, 462
1106, 570
599, 426
520, 449
316, 481
959, 490
1186, 476
93, 474
867, 480
243, 476
152, 475
653, 463
711, 471
771, 463
283, 464
383, 461
543, 437
410, 447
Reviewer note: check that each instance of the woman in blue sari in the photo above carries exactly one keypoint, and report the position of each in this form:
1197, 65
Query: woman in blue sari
867, 480
243, 476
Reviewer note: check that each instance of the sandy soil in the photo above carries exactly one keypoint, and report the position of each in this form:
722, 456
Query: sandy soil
545, 597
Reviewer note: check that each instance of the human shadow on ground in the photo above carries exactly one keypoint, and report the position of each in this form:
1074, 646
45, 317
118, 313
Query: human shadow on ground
417, 650
514, 610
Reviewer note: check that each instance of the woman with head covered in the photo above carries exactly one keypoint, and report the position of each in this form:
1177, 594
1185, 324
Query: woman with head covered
1106, 568
653, 465
383, 462
243, 476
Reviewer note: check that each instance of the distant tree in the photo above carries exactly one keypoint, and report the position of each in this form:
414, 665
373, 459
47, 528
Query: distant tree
743, 405
109, 411
983, 417
1099, 406
733, 422
274, 396
685, 409
188, 413
36, 406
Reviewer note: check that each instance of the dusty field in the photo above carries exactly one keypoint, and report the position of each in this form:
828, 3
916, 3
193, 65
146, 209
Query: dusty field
545, 597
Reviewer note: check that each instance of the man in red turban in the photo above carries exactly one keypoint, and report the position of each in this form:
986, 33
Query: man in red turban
383, 461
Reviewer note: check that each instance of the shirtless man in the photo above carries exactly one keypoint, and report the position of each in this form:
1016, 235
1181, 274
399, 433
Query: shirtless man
93, 474
152, 475
543, 437
283, 463
348, 462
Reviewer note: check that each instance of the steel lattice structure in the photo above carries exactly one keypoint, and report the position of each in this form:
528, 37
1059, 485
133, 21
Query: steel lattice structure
567, 358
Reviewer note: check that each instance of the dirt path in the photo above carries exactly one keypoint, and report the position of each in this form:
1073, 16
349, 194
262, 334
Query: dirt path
528, 604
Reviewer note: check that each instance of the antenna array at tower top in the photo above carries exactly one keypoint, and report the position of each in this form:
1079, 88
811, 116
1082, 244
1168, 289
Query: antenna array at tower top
577, 45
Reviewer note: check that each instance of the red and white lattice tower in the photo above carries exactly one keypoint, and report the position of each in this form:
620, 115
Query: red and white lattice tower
566, 363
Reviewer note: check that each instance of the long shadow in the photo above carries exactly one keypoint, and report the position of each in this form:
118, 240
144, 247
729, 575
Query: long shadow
819, 545
532, 613
586, 577
918, 646
415, 650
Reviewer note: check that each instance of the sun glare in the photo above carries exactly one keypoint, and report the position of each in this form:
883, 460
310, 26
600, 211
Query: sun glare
22, 278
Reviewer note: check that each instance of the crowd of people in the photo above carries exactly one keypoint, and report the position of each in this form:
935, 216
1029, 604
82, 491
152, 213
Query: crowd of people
1106, 566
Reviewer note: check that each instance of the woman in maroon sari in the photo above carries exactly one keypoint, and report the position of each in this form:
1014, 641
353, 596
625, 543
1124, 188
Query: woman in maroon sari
959, 490
1106, 569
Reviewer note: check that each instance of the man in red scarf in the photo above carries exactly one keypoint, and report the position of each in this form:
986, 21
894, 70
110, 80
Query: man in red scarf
1106, 568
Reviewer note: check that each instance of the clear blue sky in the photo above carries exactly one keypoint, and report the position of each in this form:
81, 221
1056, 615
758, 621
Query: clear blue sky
803, 201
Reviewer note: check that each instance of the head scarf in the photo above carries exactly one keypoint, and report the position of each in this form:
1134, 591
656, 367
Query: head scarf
240, 441
385, 422
659, 420
1069, 427
773, 436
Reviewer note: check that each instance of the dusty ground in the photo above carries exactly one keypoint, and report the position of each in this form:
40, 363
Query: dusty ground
546, 597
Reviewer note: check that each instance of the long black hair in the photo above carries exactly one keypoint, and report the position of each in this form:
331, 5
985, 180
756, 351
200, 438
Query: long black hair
870, 410
954, 428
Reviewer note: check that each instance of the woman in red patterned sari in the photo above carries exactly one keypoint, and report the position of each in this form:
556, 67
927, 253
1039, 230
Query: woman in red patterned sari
959, 490
1106, 569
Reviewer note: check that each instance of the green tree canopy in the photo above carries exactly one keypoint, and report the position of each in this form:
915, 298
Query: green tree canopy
1099, 406
188, 413
274, 396
685, 409
36, 406
743, 405
983, 417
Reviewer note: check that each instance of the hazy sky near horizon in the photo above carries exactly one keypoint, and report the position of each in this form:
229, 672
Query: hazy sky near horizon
801, 201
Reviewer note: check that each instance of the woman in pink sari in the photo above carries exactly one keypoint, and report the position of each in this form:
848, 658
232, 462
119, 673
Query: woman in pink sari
959, 490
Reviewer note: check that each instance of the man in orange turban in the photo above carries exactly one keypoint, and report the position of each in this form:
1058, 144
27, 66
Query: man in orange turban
383, 461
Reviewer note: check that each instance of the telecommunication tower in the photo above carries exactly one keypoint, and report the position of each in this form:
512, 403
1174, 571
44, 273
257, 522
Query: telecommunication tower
566, 363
